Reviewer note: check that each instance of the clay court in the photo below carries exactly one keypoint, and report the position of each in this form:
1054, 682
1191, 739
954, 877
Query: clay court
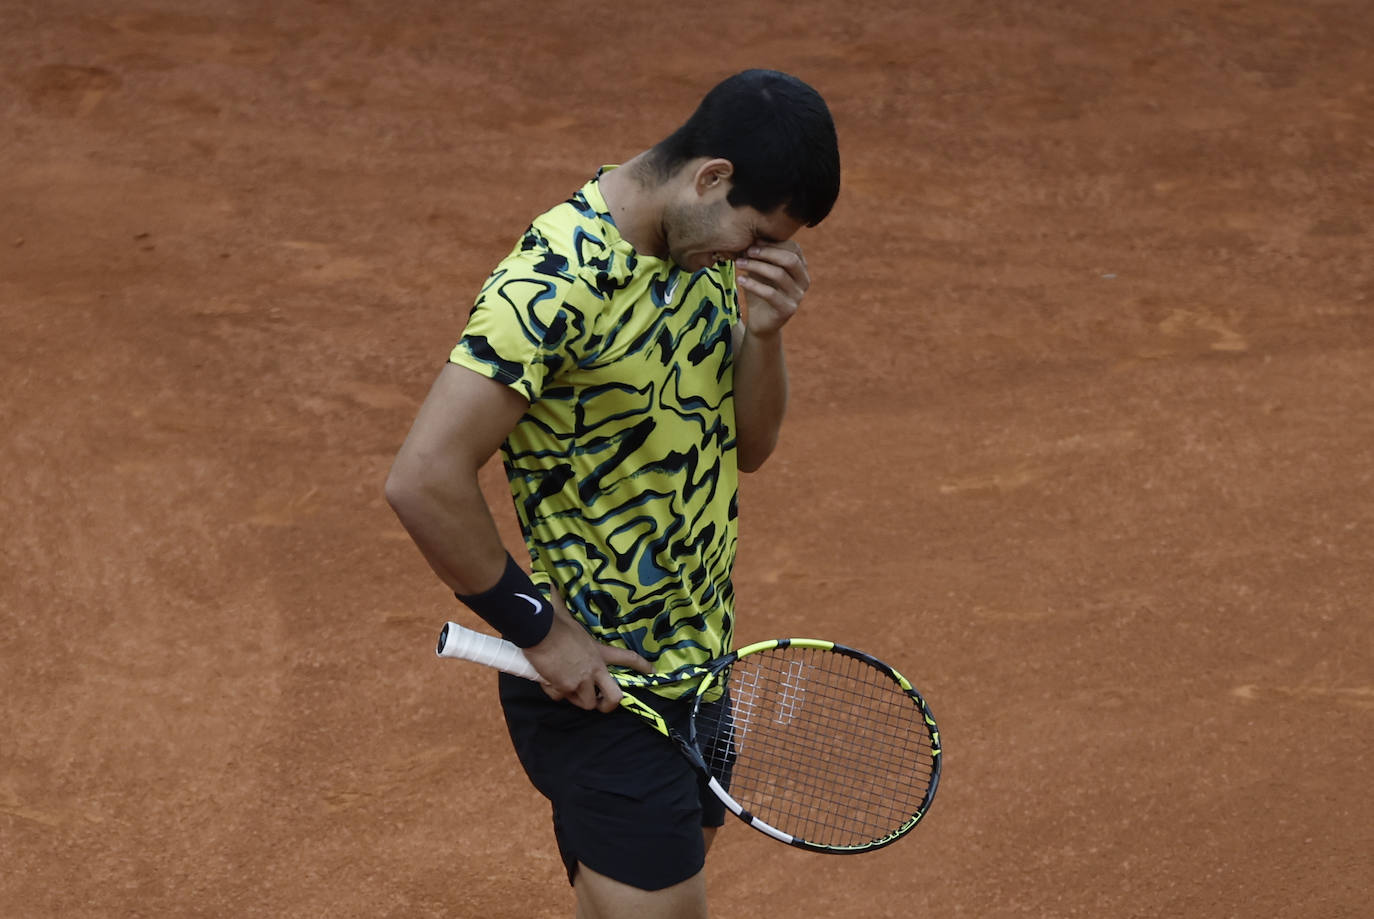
1081, 439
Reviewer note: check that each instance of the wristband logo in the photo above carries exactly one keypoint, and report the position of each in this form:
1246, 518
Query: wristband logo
538, 607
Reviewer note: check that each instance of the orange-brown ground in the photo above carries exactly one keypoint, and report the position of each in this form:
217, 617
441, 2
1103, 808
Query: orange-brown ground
1082, 438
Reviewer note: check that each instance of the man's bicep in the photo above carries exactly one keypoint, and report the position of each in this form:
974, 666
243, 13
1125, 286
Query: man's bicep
463, 420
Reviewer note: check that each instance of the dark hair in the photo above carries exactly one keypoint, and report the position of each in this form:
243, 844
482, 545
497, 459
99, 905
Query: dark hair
778, 134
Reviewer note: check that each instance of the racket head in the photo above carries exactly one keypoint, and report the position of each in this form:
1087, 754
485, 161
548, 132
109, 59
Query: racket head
817, 744
813, 743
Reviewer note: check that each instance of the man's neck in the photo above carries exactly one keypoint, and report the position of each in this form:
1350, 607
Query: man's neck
637, 207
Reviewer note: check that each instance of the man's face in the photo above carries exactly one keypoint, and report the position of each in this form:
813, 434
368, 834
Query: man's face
705, 232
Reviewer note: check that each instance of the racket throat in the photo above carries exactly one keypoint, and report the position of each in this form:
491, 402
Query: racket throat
738, 810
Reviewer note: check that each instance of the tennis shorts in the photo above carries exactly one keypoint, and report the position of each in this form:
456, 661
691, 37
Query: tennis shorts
626, 803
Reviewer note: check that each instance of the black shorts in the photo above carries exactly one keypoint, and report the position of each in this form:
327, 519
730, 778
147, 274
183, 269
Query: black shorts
625, 802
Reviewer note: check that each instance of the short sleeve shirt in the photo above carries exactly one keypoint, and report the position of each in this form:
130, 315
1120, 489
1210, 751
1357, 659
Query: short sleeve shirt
623, 471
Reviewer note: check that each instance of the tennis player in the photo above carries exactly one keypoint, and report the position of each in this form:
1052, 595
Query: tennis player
612, 361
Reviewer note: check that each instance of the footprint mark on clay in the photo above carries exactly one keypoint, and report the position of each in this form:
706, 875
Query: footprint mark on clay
70, 89
1187, 324
1003, 481
278, 510
1356, 696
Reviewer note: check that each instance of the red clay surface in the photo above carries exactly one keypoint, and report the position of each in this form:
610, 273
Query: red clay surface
1082, 438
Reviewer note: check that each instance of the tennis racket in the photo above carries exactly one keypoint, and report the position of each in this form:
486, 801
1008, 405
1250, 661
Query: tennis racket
812, 743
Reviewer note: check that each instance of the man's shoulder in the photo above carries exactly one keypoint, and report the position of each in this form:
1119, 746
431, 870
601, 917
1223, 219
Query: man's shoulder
574, 229
576, 248
561, 247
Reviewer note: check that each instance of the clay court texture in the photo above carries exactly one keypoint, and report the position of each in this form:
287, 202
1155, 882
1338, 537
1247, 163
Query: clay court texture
1081, 439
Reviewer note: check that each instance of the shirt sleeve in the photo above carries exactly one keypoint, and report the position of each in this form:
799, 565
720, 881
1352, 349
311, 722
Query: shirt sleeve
520, 331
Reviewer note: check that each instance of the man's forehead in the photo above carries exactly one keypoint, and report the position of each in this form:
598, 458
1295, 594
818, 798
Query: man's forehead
779, 226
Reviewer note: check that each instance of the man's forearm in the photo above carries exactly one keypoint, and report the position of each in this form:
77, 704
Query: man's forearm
760, 397
453, 528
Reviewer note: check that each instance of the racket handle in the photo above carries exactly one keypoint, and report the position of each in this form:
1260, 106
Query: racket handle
466, 645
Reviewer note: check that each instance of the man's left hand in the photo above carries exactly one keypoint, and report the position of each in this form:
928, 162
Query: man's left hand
775, 279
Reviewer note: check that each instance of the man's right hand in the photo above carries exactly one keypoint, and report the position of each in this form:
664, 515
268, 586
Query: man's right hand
573, 664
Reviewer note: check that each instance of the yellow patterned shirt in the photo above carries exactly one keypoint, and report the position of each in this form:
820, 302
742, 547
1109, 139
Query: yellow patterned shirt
623, 470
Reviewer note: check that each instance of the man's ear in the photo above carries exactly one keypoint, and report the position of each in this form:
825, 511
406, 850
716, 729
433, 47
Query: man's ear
712, 177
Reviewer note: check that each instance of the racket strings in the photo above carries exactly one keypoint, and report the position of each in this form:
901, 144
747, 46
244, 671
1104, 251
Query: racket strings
822, 746
820, 778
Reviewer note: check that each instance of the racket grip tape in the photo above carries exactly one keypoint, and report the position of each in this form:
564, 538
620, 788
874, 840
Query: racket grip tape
464, 644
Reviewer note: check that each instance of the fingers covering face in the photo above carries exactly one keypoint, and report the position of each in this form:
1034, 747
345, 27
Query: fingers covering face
781, 267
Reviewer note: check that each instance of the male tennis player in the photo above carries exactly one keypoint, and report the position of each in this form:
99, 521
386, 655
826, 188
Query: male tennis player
609, 360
